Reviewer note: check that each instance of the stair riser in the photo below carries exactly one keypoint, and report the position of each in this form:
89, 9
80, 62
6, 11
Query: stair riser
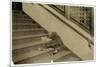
29, 36
16, 21
42, 58
22, 19
32, 53
25, 26
70, 57
20, 16
28, 49
23, 23
27, 33
17, 12
36, 59
26, 40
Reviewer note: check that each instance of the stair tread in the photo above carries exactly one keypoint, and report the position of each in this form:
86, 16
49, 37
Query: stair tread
70, 57
28, 54
28, 19
61, 54
19, 46
16, 11
21, 30
46, 57
21, 14
28, 36
23, 21
25, 24
20, 23
54, 57
20, 26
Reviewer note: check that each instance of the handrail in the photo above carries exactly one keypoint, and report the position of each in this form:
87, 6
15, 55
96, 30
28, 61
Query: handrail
58, 10
75, 27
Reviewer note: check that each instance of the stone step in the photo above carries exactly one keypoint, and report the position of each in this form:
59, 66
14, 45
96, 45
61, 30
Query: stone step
50, 57
17, 12
20, 22
21, 19
23, 15
23, 30
29, 54
45, 57
26, 26
29, 36
30, 44
71, 57
25, 40
39, 45
28, 32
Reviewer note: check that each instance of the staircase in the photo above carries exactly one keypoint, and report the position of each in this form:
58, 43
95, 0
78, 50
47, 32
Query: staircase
31, 42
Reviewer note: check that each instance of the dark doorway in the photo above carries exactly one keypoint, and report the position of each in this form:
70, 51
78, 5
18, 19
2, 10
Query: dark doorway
16, 5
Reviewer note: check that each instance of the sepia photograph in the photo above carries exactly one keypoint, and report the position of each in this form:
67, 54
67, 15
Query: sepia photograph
51, 33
